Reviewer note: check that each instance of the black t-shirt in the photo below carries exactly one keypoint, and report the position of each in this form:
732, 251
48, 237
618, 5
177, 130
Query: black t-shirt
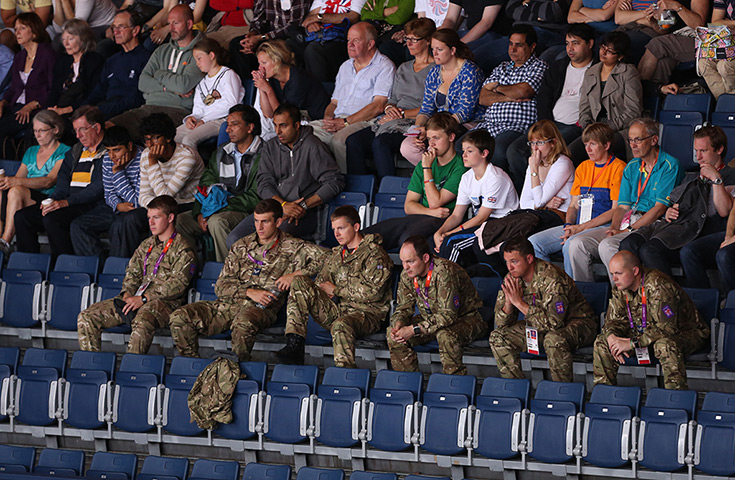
475, 8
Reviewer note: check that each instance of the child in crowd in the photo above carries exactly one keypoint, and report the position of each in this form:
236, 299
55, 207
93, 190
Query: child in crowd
487, 189
218, 91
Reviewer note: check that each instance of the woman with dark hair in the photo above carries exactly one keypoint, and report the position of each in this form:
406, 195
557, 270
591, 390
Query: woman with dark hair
30, 77
453, 85
383, 140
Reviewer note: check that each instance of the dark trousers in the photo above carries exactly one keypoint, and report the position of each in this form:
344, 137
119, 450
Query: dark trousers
703, 253
127, 231
653, 253
86, 230
321, 59
395, 231
242, 63
363, 145
29, 223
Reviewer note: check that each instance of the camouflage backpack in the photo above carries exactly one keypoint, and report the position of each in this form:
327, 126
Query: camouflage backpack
210, 398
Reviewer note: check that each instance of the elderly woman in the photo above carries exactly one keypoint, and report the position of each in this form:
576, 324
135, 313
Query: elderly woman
30, 77
36, 175
278, 81
383, 141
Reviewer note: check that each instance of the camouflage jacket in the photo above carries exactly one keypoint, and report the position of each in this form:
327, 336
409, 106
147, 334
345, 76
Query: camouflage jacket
669, 311
287, 256
174, 274
362, 278
451, 296
553, 301
210, 398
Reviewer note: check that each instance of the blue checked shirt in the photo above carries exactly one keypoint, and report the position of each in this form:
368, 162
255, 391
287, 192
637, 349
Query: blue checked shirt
517, 116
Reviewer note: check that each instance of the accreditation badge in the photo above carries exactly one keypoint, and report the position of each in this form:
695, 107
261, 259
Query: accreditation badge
532, 341
586, 202
642, 355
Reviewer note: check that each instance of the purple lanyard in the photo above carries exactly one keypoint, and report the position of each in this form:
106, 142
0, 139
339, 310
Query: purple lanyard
260, 263
644, 307
158, 262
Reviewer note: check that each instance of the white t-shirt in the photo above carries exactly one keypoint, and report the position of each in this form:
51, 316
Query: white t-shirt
558, 183
230, 89
338, 6
494, 190
566, 109
433, 9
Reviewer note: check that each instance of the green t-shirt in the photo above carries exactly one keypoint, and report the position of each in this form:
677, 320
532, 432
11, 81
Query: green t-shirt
447, 176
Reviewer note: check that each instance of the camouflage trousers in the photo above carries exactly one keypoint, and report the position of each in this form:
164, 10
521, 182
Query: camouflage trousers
670, 352
509, 341
208, 318
152, 315
451, 342
345, 324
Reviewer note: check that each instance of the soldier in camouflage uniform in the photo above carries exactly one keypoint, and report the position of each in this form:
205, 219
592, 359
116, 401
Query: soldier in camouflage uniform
449, 309
555, 311
351, 295
673, 326
256, 272
155, 284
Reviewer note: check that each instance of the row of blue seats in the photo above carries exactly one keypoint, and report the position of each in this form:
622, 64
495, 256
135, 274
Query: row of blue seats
343, 414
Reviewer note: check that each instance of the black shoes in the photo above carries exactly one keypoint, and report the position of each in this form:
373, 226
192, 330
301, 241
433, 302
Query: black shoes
293, 352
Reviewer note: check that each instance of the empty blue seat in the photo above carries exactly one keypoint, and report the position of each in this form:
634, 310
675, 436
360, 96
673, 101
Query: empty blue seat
372, 476
88, 388
662, 435
497, 424
262, 471
60, 463
70, 289
551, 427
181, 377
16, 459
287, 402
310, 473
677, 136
10, 356
163, 468
112, 466
689, 102
388, 205
339, 406
392, 404
38, 385
8, 364
244, 403
204, 469
606, 436
23, 299
394, 184
135, 405
714, 446
445, 422
109, 282
726, 338
361, 184
204, 286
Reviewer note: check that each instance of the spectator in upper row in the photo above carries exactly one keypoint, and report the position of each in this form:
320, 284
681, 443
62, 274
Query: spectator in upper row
97, 13
547, 17
236, 14
485, 24
720, 73
11, 9
598, 14
170, 76
361, 91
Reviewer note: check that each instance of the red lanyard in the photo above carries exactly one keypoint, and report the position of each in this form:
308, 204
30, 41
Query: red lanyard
602, 170
158, 262
644, 307
343, 253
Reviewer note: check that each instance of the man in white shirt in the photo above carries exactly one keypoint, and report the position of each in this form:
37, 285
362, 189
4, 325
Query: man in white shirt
558, 97
361, 92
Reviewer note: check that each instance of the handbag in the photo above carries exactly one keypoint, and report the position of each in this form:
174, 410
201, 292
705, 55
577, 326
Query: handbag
331, 31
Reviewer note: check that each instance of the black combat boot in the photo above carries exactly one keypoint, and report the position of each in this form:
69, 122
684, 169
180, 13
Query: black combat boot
293, 352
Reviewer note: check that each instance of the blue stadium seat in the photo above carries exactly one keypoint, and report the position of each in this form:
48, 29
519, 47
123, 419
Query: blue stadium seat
707, 301
38, 385
16, 459
112, 466
663, 429
607, 425
726, 338
22, 290
497, 423
181, 377
488, 288
245, 402
10, 166
388, 205
316, 334
204, 469
714, 446
678, 134
339, 408
356, 199
597, 295
287, 402
60, 463
551, 427
424, 477
691, 102
204, 285
730, 299
135, 400
726, 103
70, 290
396, 185
361, 184
310, 473
8, 364
109, 282
372, 476
163, 468
262, 471
10, 356
222, 136
445, 421
88, 389
392, 403
726, 121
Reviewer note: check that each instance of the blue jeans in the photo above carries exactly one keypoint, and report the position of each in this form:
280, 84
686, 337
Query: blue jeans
548, 242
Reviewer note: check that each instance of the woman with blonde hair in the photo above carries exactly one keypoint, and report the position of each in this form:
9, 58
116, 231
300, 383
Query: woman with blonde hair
278, 80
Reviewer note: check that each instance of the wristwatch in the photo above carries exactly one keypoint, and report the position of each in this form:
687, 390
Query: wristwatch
302, 204
534, 174
143, 299
416, 330
717, 181
320, 16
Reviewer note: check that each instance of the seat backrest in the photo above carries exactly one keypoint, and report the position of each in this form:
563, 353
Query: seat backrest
41, 357
170, 467
726, 354
53, 458
674, 399
560, 392
707, 301
137, 363
17, 456
360, 183
36, 262
614, 395
262, 471
392, 380
389, 205
311, 473
455, 384
188, 366
115, 265
372, 476
106, 462
78, 264
211, 270
215, 470
255, 371
104, 361
488, 288
222, 136
305, 374
9, 356
725, 103
719, 402
395, 185
597, 295
692, 102
507, 388
10, 166
347, 377
424, 477
730, 299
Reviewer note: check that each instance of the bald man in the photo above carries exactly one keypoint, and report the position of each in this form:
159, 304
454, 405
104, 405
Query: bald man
649, 316
168, 79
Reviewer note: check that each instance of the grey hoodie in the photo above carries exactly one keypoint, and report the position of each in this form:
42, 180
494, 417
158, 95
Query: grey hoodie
170, 72
306, 170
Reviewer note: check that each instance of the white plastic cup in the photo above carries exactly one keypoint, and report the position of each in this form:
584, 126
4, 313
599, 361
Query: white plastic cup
2, 172
47, 202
